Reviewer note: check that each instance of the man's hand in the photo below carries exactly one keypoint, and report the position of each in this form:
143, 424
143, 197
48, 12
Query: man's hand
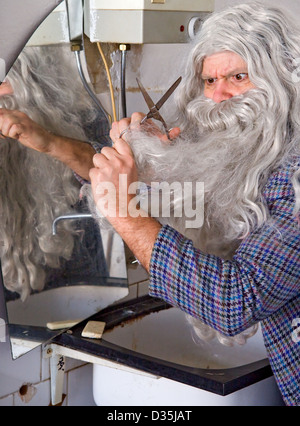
134, 123
17, 125
140, 232
109, 190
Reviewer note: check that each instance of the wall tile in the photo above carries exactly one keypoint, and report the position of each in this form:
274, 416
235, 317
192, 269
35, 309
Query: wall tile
8, 401
14, 373
37, 395
80, 387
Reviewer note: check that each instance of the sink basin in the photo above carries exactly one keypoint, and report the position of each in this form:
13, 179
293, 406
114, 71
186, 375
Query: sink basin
164, 366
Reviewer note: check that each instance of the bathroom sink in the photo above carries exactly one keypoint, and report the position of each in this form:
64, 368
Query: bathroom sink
148, 355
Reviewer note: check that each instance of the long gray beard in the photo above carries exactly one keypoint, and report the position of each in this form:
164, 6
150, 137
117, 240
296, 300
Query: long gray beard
226, 146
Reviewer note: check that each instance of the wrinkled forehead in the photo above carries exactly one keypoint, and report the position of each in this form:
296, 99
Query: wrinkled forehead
224, 63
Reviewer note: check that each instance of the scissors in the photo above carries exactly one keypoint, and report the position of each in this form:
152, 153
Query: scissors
2, 136
154, 108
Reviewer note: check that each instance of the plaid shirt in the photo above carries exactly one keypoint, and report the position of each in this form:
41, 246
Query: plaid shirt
261, 283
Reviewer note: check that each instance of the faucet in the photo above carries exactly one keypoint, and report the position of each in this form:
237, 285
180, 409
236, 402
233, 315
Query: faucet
69, 217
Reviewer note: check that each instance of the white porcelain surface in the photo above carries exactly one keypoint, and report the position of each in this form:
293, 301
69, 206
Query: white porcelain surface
116, 387
166, 335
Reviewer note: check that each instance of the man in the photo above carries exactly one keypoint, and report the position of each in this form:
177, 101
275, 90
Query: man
239, 121
239, 118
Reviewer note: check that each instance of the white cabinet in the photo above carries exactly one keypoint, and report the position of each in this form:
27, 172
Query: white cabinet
143, 21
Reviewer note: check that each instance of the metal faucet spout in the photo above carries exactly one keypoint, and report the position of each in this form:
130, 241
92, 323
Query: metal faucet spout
69, 217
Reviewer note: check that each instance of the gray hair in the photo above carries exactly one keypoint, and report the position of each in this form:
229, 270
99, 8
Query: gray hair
35, 188
268, 40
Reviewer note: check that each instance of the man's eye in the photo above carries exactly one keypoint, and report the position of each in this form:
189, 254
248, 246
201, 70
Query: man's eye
210, 80
241, 76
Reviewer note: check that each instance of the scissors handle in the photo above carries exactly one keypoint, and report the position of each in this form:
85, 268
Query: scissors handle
161, 120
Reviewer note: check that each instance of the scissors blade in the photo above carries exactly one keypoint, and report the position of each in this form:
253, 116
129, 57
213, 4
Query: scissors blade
147, 98
166, 96
2, 136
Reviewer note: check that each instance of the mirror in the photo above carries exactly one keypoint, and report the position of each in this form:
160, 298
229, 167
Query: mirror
58, 265
18, 21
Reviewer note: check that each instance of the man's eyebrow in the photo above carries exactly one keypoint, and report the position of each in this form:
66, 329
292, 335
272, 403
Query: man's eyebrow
205, 77
234, 72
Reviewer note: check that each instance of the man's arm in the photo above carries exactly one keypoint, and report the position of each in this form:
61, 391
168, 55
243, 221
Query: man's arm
73, 153
140, 235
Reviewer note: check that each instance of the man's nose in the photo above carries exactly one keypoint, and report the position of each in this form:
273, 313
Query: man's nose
222, 91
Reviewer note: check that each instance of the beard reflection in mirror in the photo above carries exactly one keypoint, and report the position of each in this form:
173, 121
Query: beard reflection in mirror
35, 188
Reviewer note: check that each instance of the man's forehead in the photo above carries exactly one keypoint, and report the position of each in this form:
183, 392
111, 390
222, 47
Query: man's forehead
223, 63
